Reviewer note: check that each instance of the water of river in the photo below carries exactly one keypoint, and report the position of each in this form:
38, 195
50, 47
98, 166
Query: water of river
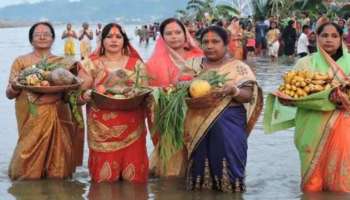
272, 167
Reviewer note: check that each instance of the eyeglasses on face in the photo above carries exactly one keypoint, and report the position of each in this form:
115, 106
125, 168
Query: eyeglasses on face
43, 34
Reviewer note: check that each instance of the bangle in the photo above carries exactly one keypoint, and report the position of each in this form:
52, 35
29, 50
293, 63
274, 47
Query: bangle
81, 96
237, 92
14, 90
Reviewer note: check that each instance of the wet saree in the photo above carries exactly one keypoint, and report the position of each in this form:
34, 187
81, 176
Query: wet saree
165, 68
217, 144
47, 139
116, 138
321, 130
69, 47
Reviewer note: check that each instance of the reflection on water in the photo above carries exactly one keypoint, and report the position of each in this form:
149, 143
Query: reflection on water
47, 189
273, 170
118, 190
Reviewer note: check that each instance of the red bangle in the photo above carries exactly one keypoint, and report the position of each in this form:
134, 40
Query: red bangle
81, 96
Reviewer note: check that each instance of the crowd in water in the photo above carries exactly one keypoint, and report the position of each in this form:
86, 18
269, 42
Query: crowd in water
272, 37
213, 146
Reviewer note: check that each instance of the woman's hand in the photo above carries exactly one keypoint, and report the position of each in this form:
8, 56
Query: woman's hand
86, 95
340, 99
13, 90
15, 86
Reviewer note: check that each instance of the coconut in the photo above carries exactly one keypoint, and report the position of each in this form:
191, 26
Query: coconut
61, 76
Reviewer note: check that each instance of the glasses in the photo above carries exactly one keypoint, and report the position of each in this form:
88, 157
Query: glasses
44, 34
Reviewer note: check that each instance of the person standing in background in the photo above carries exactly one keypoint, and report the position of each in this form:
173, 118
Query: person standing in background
272, 37
69, 35
260, 36
289, 37
85, 37
303, 42
98, 33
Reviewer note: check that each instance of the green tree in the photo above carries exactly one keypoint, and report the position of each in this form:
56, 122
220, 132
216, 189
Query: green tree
200, 8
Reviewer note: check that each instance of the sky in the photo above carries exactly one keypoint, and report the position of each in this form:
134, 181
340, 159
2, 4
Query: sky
4, 3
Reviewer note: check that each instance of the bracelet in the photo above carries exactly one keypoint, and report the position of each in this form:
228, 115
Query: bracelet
237, 92
81, 96
14, 91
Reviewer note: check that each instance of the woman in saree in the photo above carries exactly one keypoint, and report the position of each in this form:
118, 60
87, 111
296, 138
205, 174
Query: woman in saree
273, 43
321, 122
116, 138
46, 144
166, 67
69, 35
216, 132
235, 45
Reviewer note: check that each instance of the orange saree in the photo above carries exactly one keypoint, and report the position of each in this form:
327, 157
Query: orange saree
47, 138
329, 168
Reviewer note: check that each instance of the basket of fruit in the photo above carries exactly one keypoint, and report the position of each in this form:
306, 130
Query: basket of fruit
47, 78
123, 98
121, 91
300, 84
206, 90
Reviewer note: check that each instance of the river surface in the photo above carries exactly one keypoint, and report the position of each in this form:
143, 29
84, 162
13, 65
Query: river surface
272, 168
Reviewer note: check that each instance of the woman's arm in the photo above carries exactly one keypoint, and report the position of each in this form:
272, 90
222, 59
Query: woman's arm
243, 94
64, 35
13, 92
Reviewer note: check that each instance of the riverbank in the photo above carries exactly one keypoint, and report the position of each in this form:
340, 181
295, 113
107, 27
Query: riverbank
10, 23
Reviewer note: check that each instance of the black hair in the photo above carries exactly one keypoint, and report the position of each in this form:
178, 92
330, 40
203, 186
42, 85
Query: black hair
219, 23
105, 32
168, 21
336, 26
222, 33
305, 27
291, 22
273, 22
32, 29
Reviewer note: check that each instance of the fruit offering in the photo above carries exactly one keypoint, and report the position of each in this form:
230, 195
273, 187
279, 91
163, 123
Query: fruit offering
299, 84
121, 92
205, 83
46, 74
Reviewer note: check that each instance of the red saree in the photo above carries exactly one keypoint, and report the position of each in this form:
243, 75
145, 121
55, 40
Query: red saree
117, 139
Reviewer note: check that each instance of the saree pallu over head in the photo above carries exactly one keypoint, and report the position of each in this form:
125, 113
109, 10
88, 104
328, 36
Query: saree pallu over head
198, 121
164, 68
165, 65
320, 132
